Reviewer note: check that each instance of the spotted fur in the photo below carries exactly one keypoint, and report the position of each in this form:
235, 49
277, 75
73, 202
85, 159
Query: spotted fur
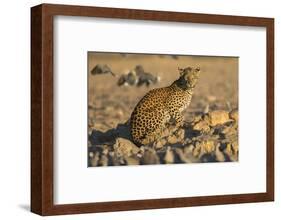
159, 106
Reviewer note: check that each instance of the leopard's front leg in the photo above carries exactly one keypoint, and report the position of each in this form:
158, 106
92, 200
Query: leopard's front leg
178, 118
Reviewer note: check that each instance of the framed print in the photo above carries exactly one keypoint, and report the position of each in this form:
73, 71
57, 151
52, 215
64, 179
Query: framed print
138, 109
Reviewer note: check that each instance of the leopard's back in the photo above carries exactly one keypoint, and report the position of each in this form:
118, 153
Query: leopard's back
149, 114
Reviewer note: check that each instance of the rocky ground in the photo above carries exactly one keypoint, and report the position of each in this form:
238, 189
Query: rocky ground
210, 137
210, 131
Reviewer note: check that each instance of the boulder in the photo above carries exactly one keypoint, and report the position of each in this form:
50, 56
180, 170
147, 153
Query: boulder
218, 117
124, 147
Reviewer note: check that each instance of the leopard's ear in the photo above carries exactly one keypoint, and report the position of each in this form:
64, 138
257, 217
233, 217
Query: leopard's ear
181, 71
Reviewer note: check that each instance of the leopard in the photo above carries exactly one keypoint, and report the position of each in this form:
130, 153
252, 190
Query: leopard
163, 106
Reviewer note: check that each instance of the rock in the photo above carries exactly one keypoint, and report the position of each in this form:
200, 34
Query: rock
204, 147
215, 137
201, 126
119, 113
207, 146
231, 150
188, 149
211, 98
130, 78
197, 119
228, 150
182, 156
145, 78
180, 134
172, 139
218, 117
150, 157
165, 132
103, 161
206, 109
235, 147
100, 127
114, 158
105, 151
122, 161
141, 152
207, 158
101, 69
169, 156
132, 160
188, 153
225, 129
234, 114
94, 159
91, 154
163, 141
138, 77
219, 155
109, 109
228, 104
124, 147
196, 150
158, 145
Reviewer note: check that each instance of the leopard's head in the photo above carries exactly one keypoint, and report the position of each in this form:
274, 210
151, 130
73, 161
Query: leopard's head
188, 77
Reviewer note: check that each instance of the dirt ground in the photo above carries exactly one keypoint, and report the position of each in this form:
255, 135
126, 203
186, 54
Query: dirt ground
110, 105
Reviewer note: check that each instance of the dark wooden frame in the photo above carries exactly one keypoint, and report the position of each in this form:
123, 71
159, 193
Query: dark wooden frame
42, 108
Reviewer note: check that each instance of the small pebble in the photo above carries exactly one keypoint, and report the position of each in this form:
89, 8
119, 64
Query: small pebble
211, 98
